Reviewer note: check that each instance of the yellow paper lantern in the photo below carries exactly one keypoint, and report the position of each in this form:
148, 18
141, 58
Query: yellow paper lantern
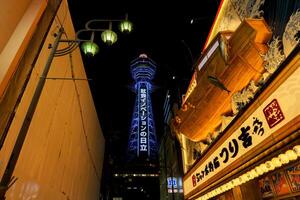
283, 159
236, 181
258, 170
209, 195
222, 188
276, 162
241, 179
291, 155
263, 168
245, 177
270, 165
214, 193
249, 175
230, 185
296, 149
254, 173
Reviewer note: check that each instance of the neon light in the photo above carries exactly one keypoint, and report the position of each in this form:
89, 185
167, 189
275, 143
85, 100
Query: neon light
142, 139
208, 54
174, 185
217, 17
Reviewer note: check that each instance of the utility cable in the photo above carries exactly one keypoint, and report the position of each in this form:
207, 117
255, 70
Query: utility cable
81, 116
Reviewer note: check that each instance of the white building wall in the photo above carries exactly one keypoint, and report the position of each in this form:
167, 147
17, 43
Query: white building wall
63, 152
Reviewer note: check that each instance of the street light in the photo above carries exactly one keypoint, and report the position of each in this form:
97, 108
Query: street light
125, 26
89, 47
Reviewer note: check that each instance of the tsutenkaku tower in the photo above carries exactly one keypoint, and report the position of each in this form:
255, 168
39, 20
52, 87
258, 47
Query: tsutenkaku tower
142, 143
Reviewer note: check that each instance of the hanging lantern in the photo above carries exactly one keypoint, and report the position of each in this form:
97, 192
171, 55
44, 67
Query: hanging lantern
219, 190
241, 179
214, 193
245, 178
253, 173
296, 149
270, 165
125, 26
229, 185
109, 37
209, 195
89, 48
233, 183
263, 168
291, 155
283, 159
236, 182
258, 170
276, 162
249, 175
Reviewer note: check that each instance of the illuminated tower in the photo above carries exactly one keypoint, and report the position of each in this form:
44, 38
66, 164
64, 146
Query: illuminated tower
142, 143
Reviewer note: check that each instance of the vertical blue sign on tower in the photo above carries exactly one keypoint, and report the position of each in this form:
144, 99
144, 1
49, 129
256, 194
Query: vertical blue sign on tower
142, 139
143, 126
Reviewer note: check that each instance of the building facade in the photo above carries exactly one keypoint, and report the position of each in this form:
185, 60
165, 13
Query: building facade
240, 111
56, 152
170, 160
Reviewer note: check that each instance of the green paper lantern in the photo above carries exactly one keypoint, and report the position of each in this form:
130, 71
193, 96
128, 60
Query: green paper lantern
90, 48
125, 26
109, 37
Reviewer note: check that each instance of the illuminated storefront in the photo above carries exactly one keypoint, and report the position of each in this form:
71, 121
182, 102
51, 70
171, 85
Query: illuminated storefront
263, 138
242, 115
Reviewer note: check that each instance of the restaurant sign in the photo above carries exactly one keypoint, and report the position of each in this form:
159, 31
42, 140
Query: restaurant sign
275, 112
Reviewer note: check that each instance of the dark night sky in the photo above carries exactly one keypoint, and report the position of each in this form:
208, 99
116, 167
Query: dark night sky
163, 31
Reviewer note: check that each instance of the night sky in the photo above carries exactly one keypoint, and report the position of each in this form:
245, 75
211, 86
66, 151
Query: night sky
163, 31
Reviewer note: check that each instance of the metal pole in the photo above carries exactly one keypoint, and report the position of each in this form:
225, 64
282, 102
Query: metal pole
7, 177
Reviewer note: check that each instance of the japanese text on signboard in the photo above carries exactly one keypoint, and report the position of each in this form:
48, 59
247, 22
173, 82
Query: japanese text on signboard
143, 115
231, 149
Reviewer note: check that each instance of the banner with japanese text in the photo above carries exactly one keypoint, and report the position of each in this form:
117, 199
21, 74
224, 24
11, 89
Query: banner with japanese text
279, 108
143, 147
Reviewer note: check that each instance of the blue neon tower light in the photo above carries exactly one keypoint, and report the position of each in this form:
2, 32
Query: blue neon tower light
142, 139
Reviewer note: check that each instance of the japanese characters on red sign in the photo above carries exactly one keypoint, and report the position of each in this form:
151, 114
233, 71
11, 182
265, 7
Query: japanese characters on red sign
273, 113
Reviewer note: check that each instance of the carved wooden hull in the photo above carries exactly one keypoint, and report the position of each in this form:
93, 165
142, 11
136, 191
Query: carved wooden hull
234, 62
